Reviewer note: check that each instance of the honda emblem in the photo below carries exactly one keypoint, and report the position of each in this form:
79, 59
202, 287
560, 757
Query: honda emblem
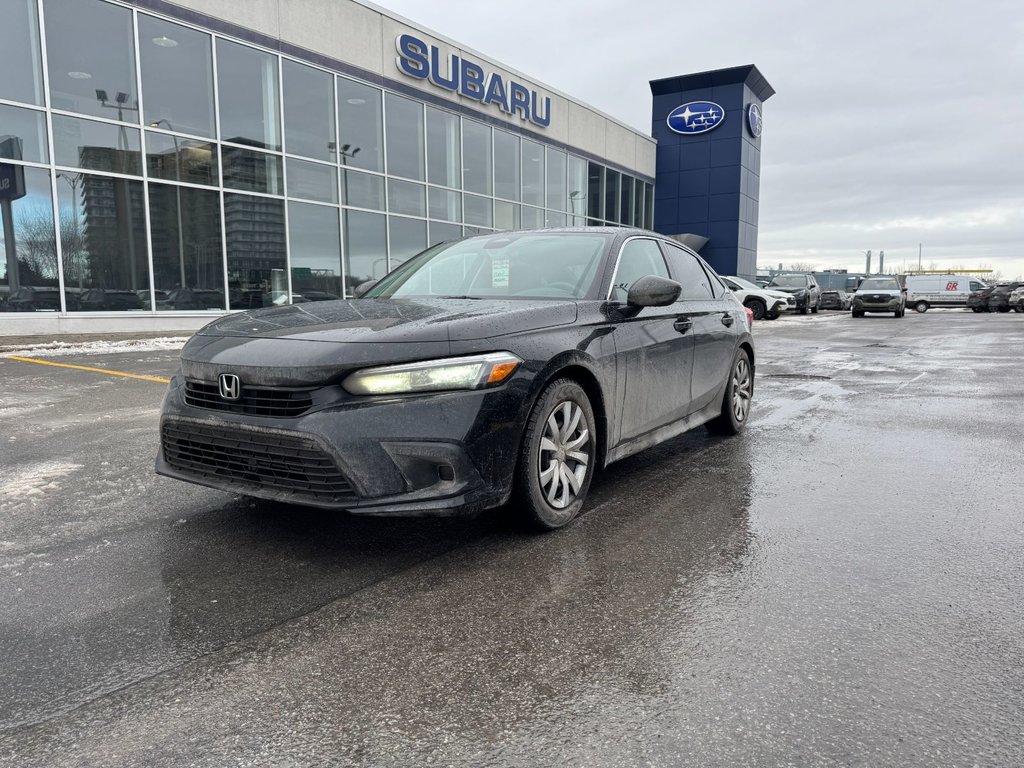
230, 386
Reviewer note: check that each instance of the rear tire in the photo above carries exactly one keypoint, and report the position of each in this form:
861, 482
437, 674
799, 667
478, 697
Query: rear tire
739, 392
921, 306
775, 315
856, 313
557, 457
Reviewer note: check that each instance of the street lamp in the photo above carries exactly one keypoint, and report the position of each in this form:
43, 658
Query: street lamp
575, 195
73, 180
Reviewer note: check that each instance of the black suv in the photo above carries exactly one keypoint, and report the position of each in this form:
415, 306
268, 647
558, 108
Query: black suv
804, 289
994, 299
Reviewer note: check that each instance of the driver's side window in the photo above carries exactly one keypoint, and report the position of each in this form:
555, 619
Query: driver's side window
639, 258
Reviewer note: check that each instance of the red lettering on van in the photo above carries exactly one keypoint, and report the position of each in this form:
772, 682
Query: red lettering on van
952, 286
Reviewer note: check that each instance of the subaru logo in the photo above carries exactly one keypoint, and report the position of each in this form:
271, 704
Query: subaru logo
230, 386
696, 117
754, 120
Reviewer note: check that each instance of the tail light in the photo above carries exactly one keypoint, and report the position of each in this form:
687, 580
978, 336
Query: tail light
750, 317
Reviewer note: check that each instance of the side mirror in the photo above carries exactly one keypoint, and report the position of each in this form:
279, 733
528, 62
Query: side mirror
362, 288
653, 291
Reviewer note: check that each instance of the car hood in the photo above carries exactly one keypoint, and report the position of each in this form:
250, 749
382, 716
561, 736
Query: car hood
381, 321
775, 293
317, 342
783, 289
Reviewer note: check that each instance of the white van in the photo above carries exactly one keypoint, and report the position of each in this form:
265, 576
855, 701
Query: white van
924, 291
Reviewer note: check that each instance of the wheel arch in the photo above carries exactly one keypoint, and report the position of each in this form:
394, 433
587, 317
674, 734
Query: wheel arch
580, 373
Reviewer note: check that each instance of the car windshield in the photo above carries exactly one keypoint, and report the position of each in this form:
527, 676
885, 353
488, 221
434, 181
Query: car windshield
880, 284
745, 284
514, 265
789, 281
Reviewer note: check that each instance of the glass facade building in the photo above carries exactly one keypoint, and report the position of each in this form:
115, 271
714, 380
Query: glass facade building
151, 165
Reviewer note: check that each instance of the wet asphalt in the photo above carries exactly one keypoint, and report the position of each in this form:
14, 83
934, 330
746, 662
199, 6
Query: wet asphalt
842, 584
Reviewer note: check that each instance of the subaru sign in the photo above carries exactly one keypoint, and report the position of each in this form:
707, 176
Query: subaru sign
754, 120
696, 117
470, 80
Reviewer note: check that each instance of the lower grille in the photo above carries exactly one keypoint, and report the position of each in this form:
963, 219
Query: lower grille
273, 402
290, 464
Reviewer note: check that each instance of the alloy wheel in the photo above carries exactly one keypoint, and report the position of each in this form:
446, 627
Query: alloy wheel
742, 386
564, 454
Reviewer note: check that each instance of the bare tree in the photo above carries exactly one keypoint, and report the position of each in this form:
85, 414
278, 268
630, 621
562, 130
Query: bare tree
802, 266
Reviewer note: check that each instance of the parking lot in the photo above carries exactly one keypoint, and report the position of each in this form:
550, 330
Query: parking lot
839, 585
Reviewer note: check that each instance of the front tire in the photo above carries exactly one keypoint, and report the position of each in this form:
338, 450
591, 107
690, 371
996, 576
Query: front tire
857, 313
557, 457
757, 307
739, 392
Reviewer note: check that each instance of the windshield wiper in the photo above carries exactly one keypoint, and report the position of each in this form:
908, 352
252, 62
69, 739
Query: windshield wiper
475, 298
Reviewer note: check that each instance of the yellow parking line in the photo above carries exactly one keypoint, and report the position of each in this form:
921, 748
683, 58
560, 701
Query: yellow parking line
157, 379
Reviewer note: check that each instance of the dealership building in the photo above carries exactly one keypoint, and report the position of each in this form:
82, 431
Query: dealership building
161, 162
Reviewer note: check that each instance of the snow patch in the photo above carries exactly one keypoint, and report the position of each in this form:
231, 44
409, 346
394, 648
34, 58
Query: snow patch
36, 479
64, 348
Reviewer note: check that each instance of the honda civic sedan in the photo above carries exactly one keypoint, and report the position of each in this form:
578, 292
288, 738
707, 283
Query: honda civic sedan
497, 367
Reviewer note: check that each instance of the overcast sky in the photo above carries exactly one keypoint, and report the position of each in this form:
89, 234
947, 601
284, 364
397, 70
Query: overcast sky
895, 121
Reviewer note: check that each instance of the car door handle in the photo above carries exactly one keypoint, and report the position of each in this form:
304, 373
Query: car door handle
683, 324
728, 320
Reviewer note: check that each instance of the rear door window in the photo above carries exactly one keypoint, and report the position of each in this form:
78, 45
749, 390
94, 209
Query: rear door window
688, 272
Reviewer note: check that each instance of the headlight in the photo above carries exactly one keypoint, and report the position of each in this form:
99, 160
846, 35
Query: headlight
475, 372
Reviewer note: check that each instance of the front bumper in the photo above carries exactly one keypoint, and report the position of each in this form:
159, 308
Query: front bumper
869, 305
438, 454
781, 305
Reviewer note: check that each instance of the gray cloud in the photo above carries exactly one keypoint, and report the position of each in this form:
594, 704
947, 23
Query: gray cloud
895, 122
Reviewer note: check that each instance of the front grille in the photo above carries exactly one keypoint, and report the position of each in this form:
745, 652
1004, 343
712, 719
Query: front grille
272, 402
877, 298
290, 464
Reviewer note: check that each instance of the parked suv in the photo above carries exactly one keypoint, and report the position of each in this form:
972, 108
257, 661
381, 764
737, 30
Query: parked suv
803, 288
1017, 299
999, 298
762, 302
836, 299
879, 294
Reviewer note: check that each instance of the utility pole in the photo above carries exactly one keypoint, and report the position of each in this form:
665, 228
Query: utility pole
918, 257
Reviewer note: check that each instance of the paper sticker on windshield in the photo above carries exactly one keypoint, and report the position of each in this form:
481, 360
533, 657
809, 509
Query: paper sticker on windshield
499, 273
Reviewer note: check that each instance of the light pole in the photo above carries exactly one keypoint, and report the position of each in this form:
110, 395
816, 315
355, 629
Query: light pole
573, 197
121, 104
177, 195
73, 180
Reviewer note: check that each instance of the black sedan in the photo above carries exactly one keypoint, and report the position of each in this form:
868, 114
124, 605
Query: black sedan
498, 366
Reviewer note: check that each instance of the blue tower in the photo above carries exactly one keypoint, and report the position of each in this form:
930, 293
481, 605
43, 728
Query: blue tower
708, 127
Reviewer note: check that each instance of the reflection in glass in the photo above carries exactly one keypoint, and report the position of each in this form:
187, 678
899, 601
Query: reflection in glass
360, 126
91, 57
626, 201
648, 206
251, 171
553, 219
444, 164
188, 263
533, 218
312, 181
441, 232
362, 190
478, 210
476, 157
97, 146
177, 76
366, 247
506, 215
408, 237
28, 270
22, 134
406, 197
444, 204
611, 194
103, 242
533, 173
254, 231
577, 191
315, 245
19, 40
404, 136
638, 203
506, 165
309, 111
247, 87
557, 196
176, 158
595, 193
